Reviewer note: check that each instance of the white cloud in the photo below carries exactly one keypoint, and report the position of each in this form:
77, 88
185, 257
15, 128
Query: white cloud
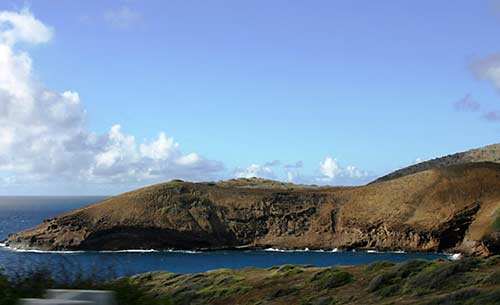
22, 27
122, 18
255, 170
44, 134
161, 149
330, 168
331, 171
328, 172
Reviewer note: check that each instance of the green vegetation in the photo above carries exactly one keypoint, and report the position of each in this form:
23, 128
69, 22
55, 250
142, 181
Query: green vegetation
390, 282
496, 224
33, 284
376, 266
464, 282
445, 275
331, 278
286, 270
470, 296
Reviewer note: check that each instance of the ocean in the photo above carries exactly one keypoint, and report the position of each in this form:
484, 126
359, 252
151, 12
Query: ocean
19, 213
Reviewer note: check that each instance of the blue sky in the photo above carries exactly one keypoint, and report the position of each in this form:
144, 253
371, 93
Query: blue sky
332, 85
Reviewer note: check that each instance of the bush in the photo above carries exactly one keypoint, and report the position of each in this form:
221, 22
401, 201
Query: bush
128, 293
390, 283
442, 275
290, 270
411, 267
496, 224
376, 266
470, 296
492, 260
381, 280
7, 295
331, 278
456, 298
493, 279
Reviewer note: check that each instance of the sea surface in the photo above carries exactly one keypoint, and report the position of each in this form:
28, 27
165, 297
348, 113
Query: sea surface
19, 213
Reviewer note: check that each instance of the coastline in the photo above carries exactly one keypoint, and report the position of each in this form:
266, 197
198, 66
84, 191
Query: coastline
450, 256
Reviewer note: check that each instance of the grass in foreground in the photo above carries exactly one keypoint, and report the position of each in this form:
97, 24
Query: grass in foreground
465, 282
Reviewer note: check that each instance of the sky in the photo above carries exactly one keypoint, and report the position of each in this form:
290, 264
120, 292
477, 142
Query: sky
101, 97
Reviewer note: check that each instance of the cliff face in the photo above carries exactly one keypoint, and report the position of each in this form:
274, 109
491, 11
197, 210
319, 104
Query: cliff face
448, 209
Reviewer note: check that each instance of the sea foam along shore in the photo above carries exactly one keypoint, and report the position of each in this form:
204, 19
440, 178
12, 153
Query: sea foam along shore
4, 246
298, 250
450, 256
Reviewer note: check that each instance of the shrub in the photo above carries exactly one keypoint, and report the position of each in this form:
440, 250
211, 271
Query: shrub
493, 279
492, 260
381, 280
442, 275
470, 296
496, 224
411, 267
376, 266
290, 270
331, 278
390, 282
456, 298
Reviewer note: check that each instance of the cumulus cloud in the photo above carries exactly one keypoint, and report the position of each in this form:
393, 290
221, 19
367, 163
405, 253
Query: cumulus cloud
332, 171
329, 172
255, 170
330, 168
22, 27
466, 104
44, 133
122, 18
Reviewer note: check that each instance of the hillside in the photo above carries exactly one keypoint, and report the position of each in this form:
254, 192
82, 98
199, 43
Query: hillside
468, 281
490, 153
446, 209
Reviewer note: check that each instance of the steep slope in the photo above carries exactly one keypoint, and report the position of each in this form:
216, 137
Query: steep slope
490, 153
448, 209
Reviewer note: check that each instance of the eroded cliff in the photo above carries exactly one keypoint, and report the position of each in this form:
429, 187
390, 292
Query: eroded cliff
446, 209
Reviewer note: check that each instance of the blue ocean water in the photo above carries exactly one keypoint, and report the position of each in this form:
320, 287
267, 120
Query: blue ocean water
19, 213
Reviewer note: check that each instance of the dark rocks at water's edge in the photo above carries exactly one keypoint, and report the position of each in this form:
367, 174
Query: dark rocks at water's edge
451, 209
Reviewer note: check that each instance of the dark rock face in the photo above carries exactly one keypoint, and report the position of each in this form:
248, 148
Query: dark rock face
450, 209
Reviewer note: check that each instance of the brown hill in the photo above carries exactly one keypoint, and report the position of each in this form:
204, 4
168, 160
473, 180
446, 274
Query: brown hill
447, 209
490, 153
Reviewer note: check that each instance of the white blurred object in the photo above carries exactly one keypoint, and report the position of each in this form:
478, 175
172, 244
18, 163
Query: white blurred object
97, 297
53, 302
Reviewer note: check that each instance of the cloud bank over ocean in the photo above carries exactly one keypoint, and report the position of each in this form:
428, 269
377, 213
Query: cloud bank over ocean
44, 134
